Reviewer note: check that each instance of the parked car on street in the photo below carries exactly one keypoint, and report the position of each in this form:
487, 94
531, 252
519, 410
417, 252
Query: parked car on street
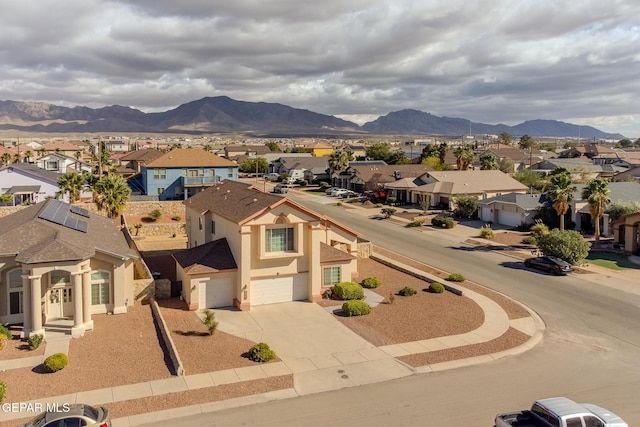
72, 415
347, 194
271, 176
281, 189
338, 192
550, 264
330, 189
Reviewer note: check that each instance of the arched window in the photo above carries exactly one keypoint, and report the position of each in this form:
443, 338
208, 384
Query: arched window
59, 277
16, 303
100, 287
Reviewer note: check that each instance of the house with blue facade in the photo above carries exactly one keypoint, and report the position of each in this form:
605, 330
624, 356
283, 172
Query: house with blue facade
179, 174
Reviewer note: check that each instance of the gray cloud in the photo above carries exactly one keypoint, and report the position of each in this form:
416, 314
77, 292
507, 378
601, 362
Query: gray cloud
501, 61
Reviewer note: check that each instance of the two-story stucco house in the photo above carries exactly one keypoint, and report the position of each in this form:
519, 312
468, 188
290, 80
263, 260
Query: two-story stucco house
248, 248
28, 183
181, 173
58, 261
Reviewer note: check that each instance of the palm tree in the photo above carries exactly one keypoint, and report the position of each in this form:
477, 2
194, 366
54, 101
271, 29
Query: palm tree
561, 194
6, 159
111, 193
464, 157
42, 151
489, 162
597, 195
71, 183
338, 161
28, 154
78, 156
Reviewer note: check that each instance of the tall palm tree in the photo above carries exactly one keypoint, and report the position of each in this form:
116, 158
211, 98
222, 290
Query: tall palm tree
111, 193
6, 159
338, 161
71, 183
42, 151
561, 194
464, 157
489, 162
28, 155
597, 195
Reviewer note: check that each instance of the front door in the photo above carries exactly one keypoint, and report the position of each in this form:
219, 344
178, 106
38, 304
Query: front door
60, 302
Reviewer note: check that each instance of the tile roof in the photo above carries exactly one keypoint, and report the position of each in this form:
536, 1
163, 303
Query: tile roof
144, 154
471, 182
330, 254
35, 240
33, 170
529, 202
61, 145
239, 202
387, 173
189, 157
211, 257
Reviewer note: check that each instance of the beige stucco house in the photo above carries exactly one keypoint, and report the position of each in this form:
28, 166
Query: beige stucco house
58, 261
247, 248
626, 233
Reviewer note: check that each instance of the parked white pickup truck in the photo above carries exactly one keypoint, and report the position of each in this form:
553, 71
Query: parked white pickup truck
560, 412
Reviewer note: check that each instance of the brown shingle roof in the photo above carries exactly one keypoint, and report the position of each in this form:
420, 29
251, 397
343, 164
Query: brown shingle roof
233, 200
145, 154
385, 173
471, 182
189, 157
35, 240
212, 257
330, 254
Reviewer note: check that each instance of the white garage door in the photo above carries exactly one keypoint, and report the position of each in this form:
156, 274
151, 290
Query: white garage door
279, 289
486, 214
216, 293
512, 219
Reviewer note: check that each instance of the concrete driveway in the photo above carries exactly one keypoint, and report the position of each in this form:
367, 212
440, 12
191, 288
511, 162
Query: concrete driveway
295, 330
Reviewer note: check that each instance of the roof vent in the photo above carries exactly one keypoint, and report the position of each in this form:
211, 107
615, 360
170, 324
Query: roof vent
255, 200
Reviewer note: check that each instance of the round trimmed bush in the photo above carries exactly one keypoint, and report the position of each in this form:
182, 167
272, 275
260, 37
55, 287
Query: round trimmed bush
436, 288
441, 221
530, 240
456, 277
348, 291
355, 308
407, 291
55, 362
371, 282
261, 352
487, 233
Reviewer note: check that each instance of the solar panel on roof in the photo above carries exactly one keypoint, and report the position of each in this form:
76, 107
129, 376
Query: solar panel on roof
82, 226
80, 211
70, 222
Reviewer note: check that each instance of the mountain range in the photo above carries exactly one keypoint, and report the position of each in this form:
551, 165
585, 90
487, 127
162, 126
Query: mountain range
225, 115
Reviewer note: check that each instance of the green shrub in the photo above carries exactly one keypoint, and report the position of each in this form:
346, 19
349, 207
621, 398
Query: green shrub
176, 218
530, 240
407, 291
355, 308
3, 341
303, 183
538, 230
35, 341
568, 245
339, 204
387, 212
210, 321
392, 297
436, 288
348, 291
155, 214
416, 223
323, 185
261, 353
442, 221
392, 201
378, 205
55, 362
371, 282
3, 390
6, 332
456, 277
487, 233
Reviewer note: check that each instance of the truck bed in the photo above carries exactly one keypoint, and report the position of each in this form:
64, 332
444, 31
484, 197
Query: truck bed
519, 419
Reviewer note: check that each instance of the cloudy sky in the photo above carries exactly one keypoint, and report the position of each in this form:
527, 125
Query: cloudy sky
490, 61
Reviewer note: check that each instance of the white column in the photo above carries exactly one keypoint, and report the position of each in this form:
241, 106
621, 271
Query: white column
78, 318
86, 300
36, 305
27, 321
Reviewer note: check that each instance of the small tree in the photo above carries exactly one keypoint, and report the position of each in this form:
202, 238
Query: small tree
465, 206
210, 321
155, 214
568, 245
387, 212
137, 227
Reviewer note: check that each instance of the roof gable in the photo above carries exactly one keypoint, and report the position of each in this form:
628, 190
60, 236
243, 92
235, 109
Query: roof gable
189, 157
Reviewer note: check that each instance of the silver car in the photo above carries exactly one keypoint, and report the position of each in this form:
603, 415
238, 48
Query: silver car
72, 416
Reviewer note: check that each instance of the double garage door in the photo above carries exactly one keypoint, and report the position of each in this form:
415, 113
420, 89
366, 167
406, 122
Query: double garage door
512, 219
279, 289
216, 293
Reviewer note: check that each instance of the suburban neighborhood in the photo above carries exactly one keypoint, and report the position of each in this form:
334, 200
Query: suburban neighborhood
190, 250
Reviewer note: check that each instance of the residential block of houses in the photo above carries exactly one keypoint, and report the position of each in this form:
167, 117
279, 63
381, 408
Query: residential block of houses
247, 248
